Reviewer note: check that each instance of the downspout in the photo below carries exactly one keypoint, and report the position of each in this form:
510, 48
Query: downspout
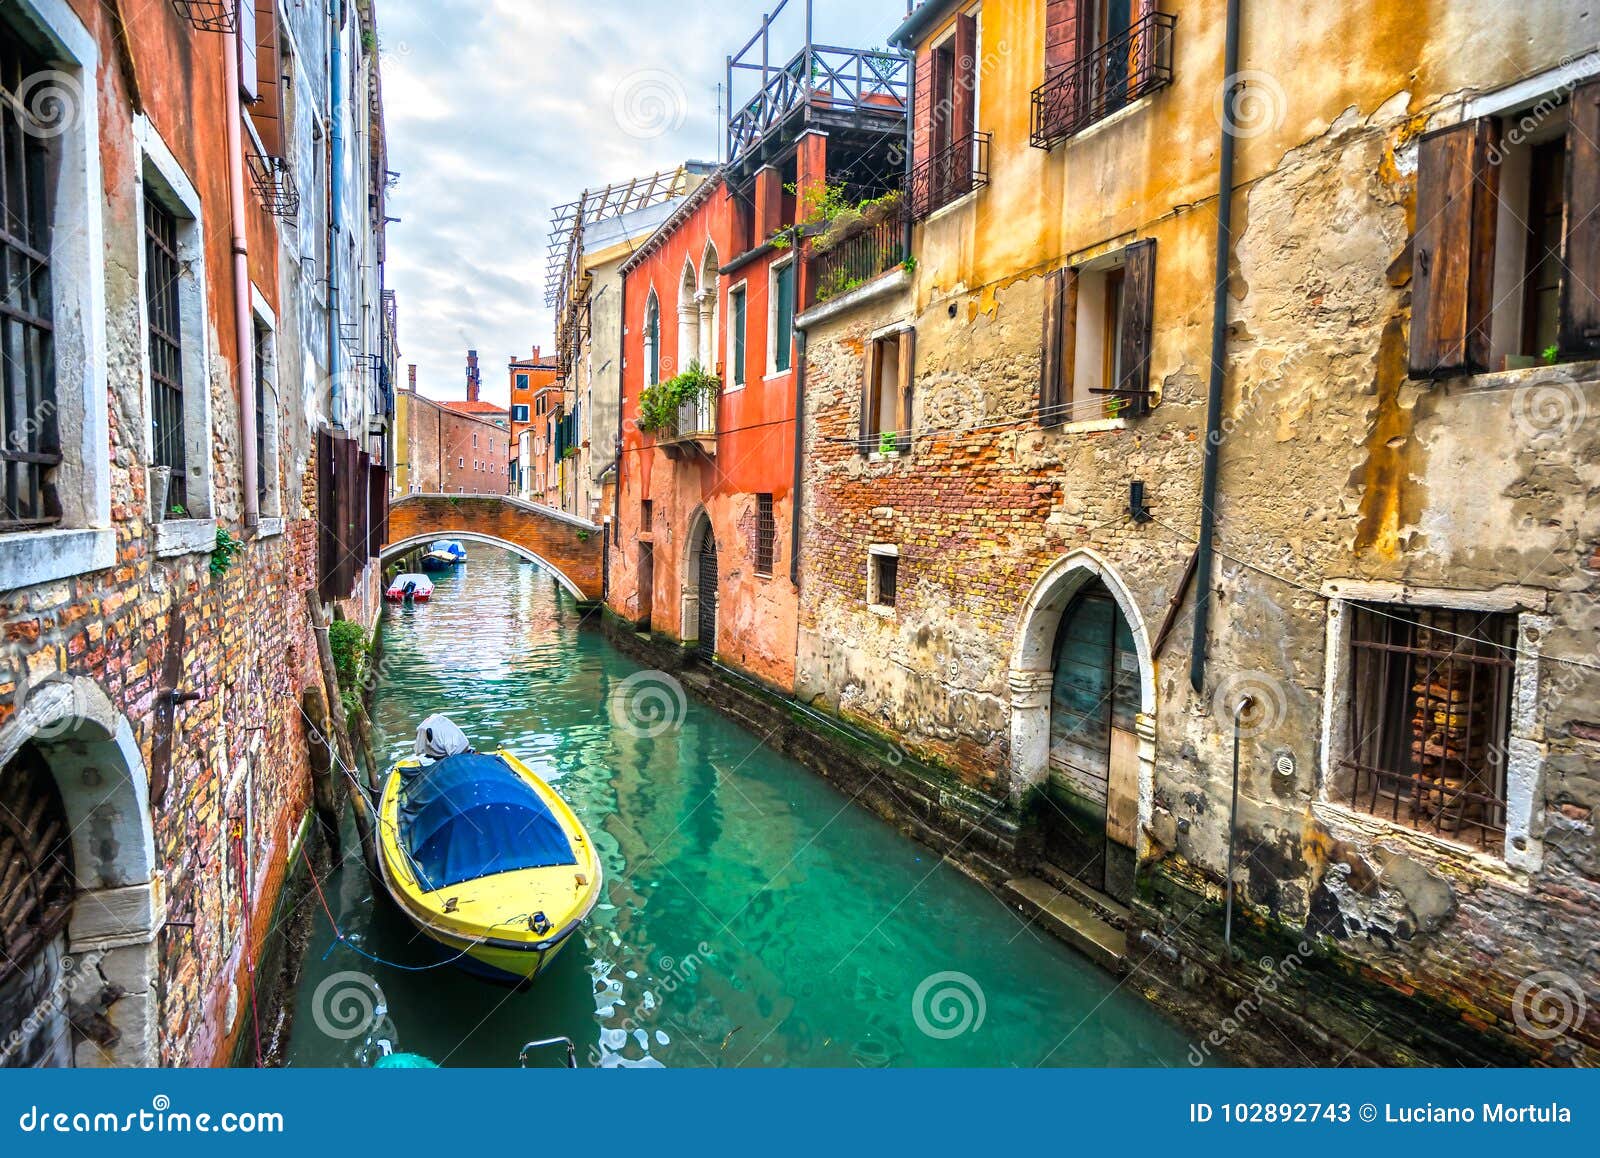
243, 332
1206, 567
799, 447
622, 361
336, 195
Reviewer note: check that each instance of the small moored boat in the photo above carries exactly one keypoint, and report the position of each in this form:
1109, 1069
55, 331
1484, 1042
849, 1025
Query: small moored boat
483, 856
409, 586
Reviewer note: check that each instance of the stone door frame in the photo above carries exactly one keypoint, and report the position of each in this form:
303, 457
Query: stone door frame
1032, 675
117, 907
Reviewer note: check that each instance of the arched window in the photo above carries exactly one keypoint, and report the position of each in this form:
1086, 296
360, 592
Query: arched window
688, 318
652, 340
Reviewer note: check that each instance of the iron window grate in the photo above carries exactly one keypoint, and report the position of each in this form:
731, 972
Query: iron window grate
30, 447
163, 268
1430, 716
274, 184
647, 510
766, 535
886, 578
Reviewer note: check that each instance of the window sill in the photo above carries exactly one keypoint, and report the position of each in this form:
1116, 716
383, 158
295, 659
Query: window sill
881, 456
1524, 376
269, 528
1365, 825
1090, 426
951, 208
185, 537
881, 609
28, 558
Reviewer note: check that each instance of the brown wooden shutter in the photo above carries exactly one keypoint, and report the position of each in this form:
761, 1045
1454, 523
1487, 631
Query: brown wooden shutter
267, 113
1061, 34
1580, 281
964, 92
327, 540
1060, 348
869, 377
1138, 317
1453, 250
923, 99
908, 368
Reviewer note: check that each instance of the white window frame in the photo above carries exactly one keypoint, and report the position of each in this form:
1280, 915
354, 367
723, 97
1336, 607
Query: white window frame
85, 540
272, 508
158, 174
875, 552
1524, 786
772, 370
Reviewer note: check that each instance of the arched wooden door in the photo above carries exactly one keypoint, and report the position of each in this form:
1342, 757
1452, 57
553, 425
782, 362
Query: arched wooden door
1091, 805
706, 641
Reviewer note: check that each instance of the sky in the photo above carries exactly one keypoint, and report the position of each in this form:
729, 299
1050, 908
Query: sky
497, 110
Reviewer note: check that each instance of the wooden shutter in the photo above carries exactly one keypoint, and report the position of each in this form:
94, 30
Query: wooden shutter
1061, 34
908, 366
923, 100
1580, 280
1453, 250
869, 382
249, 78
964, 90
1138, 316
1060, 348
267, 113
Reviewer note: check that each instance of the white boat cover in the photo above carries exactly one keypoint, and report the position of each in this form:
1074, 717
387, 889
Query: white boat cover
438, 737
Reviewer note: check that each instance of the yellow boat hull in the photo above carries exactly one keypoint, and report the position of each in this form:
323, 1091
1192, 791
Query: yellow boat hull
488, 926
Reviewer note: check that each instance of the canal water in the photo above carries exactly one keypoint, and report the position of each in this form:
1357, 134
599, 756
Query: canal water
752, 916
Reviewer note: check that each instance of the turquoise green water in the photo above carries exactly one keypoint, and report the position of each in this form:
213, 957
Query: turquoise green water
752, 915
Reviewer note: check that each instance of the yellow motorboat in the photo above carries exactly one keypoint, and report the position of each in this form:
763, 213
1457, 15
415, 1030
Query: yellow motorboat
487, 860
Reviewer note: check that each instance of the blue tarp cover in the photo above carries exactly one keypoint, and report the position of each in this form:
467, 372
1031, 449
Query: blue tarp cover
472, 816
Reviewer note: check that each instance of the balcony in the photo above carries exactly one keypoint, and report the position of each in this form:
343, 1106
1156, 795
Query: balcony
1103, 81
274, 184
838, 82
695, 430
844, 259
949, 174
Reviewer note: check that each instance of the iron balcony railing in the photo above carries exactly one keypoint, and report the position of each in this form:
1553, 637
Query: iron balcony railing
842, 79
1131, 65
697, 418
949, 174
839, 265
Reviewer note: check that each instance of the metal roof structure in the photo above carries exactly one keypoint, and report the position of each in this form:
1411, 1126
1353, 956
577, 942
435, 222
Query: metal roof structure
567, 222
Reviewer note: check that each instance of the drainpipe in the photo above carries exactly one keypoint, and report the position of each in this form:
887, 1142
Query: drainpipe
622, 359
1206, 568
241, 277
799, 446
336, 195
1239, 710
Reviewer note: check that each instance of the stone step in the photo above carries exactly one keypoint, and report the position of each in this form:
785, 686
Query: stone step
1109, 909
1075, 924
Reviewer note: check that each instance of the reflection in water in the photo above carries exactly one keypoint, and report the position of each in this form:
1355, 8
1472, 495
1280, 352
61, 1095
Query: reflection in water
753, 916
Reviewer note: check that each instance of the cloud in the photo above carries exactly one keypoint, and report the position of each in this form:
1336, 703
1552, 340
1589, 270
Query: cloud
497, 110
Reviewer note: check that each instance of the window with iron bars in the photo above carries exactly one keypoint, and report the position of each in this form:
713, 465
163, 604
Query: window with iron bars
1430, 718
647, 514
766, 535
30, 447
162, 316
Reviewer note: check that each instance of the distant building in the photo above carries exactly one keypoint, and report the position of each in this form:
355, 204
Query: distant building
531, 382
453, 446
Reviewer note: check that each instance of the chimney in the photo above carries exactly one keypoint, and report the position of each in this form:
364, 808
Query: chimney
411, 376
536, 355
472, 376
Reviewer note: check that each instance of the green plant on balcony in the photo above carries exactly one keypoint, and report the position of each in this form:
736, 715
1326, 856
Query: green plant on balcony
827, 215
659, 404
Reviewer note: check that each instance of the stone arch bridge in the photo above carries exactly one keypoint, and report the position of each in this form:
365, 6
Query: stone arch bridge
572, 549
